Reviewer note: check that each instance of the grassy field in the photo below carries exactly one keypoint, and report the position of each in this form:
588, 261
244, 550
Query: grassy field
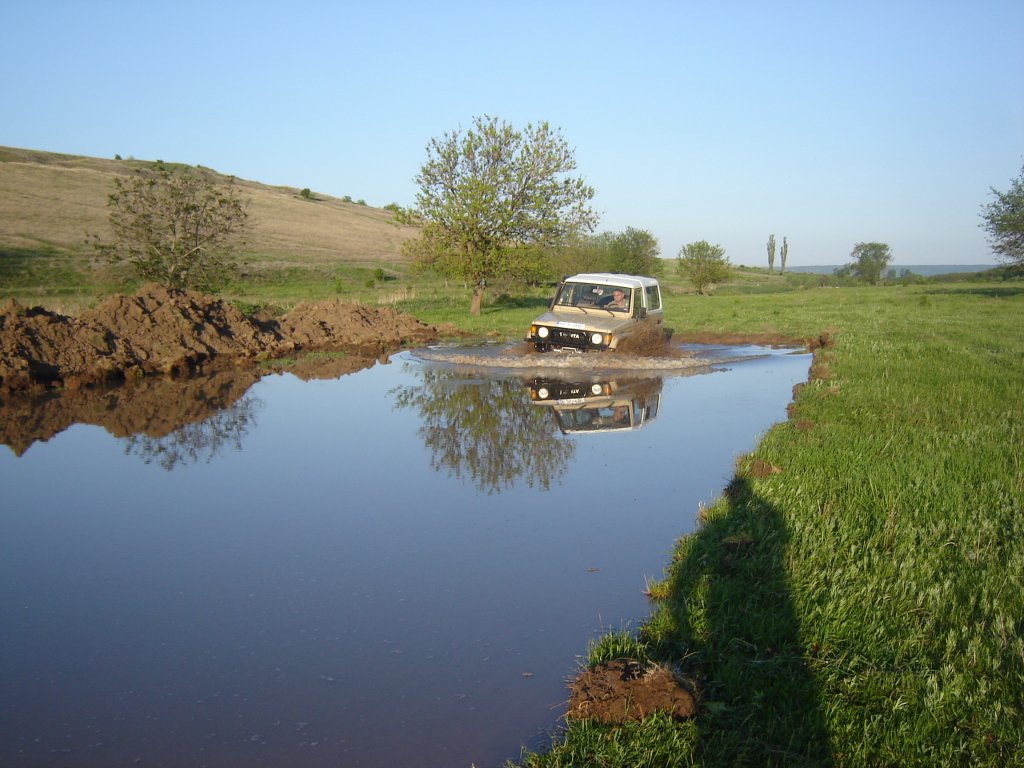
855, 597
50, 203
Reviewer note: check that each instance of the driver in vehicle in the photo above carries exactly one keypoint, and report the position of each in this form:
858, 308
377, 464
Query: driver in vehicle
618, 300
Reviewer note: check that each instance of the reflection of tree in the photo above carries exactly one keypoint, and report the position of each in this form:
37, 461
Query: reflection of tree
197, 441
487, 429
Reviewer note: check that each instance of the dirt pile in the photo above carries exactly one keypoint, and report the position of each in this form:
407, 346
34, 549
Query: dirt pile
622, 690
166, 331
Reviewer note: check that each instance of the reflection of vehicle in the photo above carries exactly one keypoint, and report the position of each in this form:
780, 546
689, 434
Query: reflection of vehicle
598, 406
596, 312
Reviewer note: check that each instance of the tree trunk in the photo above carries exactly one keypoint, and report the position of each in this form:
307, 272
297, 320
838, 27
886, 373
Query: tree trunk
478, 295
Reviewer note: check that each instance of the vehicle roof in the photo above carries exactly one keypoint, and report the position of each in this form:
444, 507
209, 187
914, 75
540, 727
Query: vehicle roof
613, 278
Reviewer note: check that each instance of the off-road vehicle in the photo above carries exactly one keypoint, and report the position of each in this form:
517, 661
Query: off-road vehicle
595, 312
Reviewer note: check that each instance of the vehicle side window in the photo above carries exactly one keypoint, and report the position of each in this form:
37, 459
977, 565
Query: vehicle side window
653, 298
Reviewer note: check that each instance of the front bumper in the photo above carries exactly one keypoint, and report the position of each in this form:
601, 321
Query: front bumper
556, 337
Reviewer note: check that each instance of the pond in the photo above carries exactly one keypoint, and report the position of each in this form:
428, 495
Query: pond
399, 566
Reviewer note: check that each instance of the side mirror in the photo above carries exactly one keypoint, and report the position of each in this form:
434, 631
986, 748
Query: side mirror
641, 313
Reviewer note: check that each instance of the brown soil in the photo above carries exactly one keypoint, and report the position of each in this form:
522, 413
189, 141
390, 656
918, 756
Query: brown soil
164, 331
56, 371
622, 690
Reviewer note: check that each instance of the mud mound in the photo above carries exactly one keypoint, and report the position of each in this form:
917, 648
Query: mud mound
160, 330
334, 324
622, 690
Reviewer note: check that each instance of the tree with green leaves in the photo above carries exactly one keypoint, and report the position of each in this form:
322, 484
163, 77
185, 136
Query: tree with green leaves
490, 196
783, 253
634, 252
771, 253
1004, 222
584, 253
176, 227
704, 265
870, 261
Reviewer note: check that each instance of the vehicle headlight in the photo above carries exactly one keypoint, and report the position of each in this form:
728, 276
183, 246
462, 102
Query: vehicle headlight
543, 393
597, 339
596, 389
543, 332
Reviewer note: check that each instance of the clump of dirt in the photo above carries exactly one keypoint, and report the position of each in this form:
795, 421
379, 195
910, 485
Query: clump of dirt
760, 468
621, 690
166, 331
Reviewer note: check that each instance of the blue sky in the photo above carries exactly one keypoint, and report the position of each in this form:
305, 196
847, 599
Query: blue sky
828, 123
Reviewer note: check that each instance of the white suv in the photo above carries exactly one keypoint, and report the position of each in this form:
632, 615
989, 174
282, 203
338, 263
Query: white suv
596, 311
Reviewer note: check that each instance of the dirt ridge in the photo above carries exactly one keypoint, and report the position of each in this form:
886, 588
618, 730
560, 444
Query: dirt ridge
167, 331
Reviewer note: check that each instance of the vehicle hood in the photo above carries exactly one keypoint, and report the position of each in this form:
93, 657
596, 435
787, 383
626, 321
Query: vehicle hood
591, 320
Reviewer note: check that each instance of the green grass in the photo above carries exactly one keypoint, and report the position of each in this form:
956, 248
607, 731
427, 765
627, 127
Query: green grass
863, 606
56, 279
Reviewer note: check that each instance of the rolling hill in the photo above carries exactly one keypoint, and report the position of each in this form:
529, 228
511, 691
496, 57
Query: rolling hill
50, 202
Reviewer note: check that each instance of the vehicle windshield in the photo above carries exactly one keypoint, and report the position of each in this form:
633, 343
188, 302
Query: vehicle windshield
614, 298
609, 417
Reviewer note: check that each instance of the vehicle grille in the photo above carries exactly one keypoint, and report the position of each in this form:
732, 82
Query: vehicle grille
569, 337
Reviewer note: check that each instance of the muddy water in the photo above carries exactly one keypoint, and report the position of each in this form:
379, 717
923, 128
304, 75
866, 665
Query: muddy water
400, 566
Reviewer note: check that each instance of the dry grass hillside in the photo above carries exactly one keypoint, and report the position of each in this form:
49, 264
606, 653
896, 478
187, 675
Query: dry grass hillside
51, 201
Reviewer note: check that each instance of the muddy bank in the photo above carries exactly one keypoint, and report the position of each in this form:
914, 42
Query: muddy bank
622, 690
175, 332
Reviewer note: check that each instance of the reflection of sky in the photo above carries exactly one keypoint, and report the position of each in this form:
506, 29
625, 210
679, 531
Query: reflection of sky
325, 574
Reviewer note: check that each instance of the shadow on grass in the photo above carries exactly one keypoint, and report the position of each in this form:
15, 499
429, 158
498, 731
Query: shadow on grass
992, 292
731, 619
505, 302
14, 261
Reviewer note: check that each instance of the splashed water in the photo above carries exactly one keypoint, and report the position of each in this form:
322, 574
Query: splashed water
521, 357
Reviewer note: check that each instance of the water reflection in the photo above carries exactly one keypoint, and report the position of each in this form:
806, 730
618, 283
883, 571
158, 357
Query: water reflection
599, 405
174, 419
165, 419
485, 429
197, 441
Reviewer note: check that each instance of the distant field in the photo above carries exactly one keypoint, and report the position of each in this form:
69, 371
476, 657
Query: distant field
49, 203
925, 270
